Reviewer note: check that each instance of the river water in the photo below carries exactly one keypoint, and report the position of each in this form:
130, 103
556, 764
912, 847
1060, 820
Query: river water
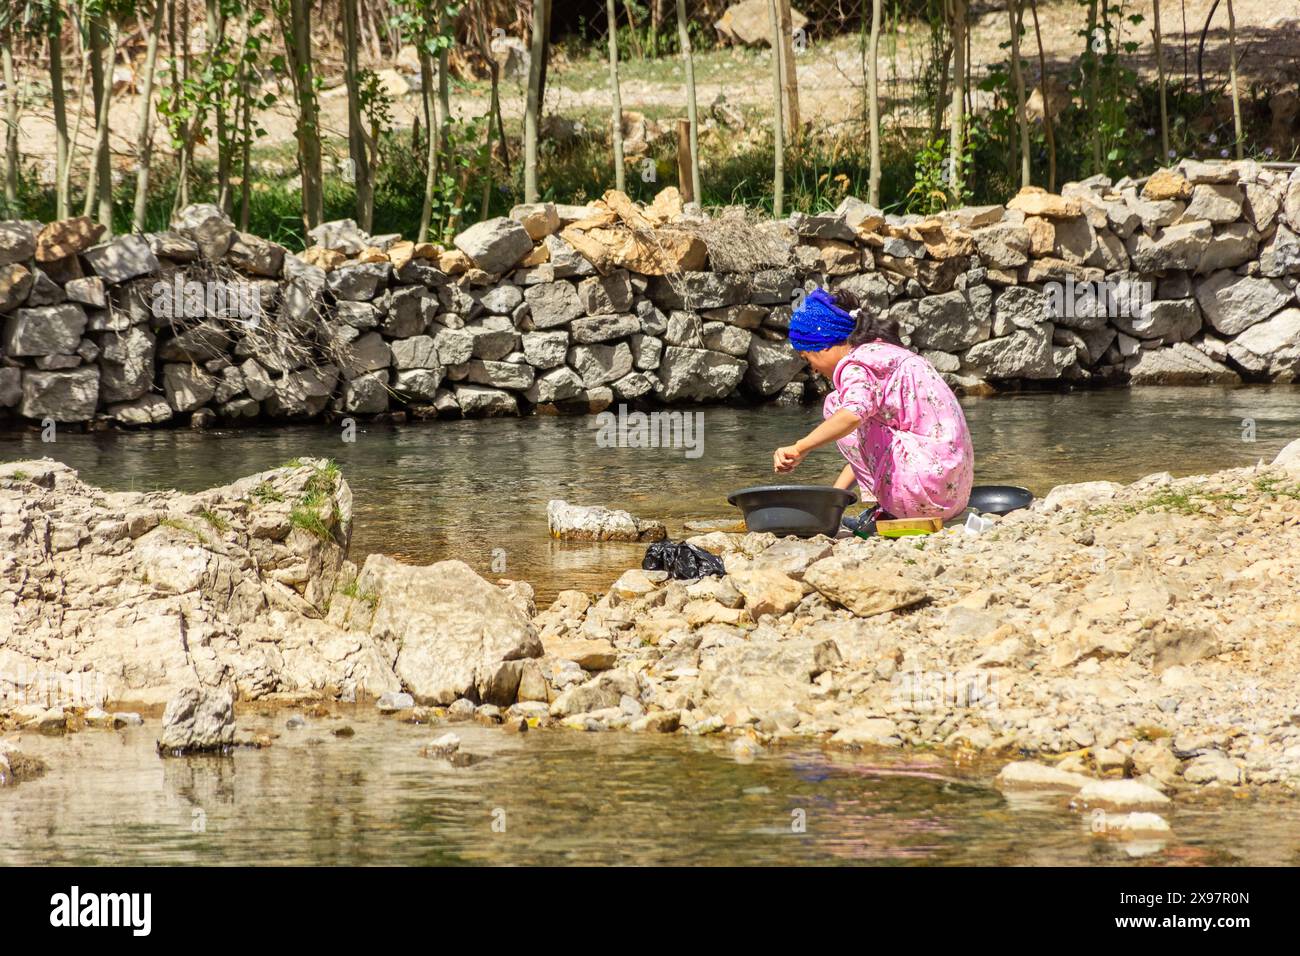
566, 797
478, 491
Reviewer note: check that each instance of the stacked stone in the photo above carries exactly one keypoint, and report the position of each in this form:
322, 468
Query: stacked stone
514, 319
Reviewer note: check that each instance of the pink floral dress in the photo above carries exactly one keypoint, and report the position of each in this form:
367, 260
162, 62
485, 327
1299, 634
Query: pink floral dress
912, 452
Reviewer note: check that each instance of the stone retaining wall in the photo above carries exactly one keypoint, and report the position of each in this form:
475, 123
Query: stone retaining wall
1187, 277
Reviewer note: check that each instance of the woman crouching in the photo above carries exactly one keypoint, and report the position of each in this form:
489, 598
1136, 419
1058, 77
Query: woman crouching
894, 419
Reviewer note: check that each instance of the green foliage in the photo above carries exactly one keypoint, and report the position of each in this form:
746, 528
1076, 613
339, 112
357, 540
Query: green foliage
218, 521
266, 492
178, 525
354, 591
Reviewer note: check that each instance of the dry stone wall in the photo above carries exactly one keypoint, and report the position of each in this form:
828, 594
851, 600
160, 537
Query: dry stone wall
1186, 277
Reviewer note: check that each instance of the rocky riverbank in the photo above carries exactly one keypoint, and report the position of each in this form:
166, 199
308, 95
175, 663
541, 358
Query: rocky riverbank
1186, 277
1142, 633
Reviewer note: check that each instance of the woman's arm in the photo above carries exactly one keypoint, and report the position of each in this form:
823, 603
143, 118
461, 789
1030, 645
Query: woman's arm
847, 478
843, 422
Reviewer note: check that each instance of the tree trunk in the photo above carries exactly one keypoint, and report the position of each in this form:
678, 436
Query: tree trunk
1015, 12
790, 82
532, 108
958, 117
444, 99
778, 132
11, 118
216, 37
1160, 78
65, 183
54, 33
298, 46
485, 49
245, 134
1232, 78
873, 105
144, 143
616, 108
187, 145
100, 183
692, 116
431, 154
357, 155
635, 37
1093, 78
684, 160
1049, 132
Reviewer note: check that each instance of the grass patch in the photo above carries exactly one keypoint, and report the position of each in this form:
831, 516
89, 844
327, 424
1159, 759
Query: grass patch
217, 521
353, 590
1273, 485
179, 525
266, 493
20, 476
308, 519
1174, 501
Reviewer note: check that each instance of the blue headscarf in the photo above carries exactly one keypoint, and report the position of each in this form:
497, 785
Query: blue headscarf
819, 323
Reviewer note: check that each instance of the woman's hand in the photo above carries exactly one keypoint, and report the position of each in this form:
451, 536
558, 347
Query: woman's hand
787, 458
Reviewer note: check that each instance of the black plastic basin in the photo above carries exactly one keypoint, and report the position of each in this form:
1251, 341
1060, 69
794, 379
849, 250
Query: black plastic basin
999, 499
802, 510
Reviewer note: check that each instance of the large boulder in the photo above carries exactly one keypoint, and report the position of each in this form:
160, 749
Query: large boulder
495, 245
553, 303
1177, 246
1025, 353
600, 365
198, 719
747, 24
67, 237
952, 321
771, 366
46, 330
1169, 320
121, 259
702, 375
69, 396
126, 363
1271, 347
483, 401
1180, 364
450, 632
17, 241
15, 282
1234, 303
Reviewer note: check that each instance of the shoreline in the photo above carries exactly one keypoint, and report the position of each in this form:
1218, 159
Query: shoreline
1119, 633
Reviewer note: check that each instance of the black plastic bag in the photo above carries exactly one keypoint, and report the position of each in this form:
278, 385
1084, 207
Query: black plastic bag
681, 560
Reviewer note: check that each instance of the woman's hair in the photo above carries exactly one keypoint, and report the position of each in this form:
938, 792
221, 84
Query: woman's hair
870, 328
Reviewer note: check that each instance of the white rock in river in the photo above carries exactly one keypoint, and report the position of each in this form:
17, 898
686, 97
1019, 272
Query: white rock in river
1120, 795
1028, 775
580, 523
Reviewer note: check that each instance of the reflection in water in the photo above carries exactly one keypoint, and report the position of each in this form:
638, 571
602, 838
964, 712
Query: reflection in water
478, 490
313, 798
